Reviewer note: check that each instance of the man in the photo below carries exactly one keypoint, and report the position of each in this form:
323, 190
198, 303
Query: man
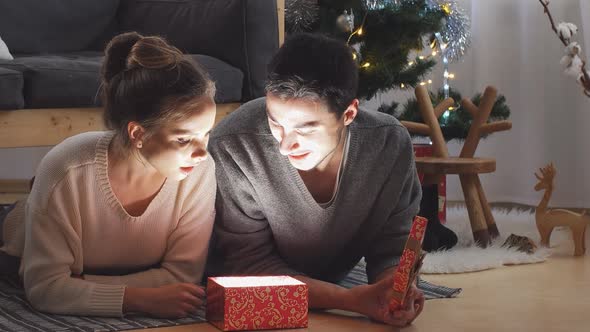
308, 184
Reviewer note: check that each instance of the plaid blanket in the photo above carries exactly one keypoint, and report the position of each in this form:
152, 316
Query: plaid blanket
17, 315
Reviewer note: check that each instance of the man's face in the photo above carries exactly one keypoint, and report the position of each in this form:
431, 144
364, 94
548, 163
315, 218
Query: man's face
308, 134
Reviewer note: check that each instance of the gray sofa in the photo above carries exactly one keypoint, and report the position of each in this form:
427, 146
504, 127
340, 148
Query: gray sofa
58, 44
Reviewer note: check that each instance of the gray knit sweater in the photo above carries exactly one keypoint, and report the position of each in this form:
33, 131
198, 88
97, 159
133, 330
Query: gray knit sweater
269, 223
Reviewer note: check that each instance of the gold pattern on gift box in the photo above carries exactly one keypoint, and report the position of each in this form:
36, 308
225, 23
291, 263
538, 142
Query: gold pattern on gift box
402, 273
268, 307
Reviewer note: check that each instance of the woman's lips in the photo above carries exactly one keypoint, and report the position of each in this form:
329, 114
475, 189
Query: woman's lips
186, 170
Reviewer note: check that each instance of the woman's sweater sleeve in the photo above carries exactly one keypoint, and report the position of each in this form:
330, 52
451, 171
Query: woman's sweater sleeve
50, 248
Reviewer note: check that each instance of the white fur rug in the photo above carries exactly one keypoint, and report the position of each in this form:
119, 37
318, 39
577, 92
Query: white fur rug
466, 257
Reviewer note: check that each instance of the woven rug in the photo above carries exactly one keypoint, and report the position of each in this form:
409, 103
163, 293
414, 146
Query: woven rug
17, 315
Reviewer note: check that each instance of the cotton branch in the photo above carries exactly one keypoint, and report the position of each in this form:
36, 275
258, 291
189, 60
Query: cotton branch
584, 77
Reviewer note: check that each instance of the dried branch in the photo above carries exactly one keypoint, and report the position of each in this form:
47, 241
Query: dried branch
553, 27
585, 77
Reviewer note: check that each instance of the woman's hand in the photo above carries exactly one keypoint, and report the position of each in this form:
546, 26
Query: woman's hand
170, 301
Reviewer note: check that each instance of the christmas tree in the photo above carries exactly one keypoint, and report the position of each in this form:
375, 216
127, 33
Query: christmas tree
386, 37
382, 34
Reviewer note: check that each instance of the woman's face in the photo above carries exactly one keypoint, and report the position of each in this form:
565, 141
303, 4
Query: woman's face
177, 147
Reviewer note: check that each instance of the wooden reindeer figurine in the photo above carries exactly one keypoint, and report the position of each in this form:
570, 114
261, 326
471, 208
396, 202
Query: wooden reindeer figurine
548, 219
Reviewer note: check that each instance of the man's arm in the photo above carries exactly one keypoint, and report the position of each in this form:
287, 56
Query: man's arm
403, 187
369, 300
325, 295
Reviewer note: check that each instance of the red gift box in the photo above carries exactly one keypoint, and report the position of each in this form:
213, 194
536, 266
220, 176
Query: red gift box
425, 150
256, 303
409, 264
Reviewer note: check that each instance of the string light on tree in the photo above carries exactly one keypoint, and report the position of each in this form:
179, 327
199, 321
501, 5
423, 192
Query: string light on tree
367, 25
445, 60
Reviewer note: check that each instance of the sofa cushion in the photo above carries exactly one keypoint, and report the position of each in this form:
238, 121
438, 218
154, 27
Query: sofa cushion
11, 89
228, 79
43, 26
206, 27
242, 33
72, 79
58, 80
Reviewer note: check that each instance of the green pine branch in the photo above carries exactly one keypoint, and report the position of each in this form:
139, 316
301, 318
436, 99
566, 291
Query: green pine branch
456, 124
389, 36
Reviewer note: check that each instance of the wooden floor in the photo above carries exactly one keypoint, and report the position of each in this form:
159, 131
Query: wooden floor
550, 296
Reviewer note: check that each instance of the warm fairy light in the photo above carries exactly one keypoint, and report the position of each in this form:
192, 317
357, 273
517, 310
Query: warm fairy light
421, 57
410, 63
451, 75
366, 65
403, 85
451, 108
433, 53
447, 8
422, 83
360, 31
429, 81
354, 56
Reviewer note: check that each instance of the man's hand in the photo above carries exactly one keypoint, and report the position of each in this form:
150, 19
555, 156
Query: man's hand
373, 301
413, 306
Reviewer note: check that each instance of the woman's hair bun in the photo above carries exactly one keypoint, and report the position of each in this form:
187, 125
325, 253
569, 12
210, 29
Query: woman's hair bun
132, 50
153, 53
116, 53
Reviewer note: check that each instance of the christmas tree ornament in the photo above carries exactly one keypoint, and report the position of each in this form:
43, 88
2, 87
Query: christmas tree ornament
345, 22
385, 37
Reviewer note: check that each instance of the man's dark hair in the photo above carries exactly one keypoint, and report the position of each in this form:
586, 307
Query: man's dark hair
315, 67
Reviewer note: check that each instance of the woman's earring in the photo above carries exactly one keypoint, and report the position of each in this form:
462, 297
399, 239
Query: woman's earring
139, 145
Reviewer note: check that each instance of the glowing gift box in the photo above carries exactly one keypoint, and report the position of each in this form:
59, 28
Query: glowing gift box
409, 264
256, 303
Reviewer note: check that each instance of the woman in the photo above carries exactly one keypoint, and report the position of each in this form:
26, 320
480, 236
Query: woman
120, 221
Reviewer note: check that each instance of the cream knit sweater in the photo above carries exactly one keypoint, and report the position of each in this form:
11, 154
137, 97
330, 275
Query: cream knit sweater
72, 224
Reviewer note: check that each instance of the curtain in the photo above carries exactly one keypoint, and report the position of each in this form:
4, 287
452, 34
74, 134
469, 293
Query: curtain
514, 49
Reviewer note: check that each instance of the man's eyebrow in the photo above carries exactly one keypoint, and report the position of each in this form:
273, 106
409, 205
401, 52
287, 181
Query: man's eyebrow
308, 124
303, 125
